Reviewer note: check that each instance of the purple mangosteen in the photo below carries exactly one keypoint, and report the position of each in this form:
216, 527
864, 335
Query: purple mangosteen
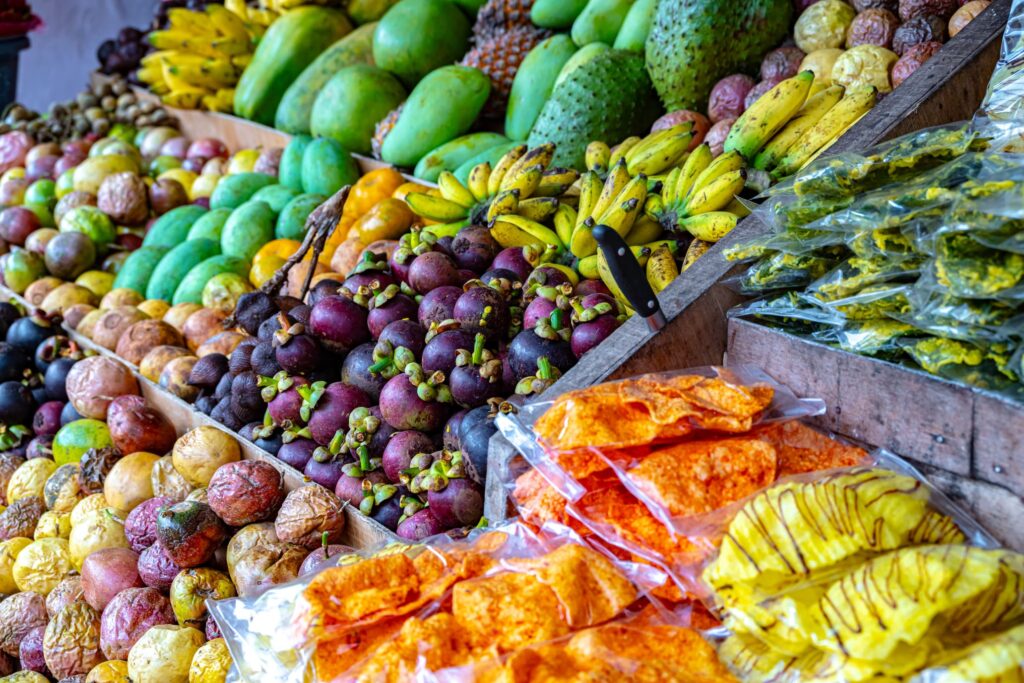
400, 450
432, 270
354, 483
420, 525
483, 310
476, 376
513, 259
325, 473
339, 323
438, 305
297, 452
355, 370
414, 400
46, 421
330, 410
440, 352
388, 307
474, 248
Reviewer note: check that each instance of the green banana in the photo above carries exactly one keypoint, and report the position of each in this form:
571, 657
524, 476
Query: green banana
534, 82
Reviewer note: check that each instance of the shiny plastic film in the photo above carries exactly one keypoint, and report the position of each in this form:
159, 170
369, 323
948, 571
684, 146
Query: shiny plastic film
1002, 111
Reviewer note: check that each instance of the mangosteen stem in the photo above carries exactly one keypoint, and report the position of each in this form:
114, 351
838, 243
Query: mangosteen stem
380, 366
478, 348
544, 368
364, 458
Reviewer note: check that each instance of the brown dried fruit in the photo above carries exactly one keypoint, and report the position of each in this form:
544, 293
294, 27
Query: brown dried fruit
143, 337
69, 590
8, 463
265, 565
20, 518
890, 5
758, 90
307, 513
245, 492
728, 97
94, 466
781, 63
912, 59
929, 29
168, 481
872, 27
715, 138
909, 9
124, 197
71, 644
965, 15
19, 614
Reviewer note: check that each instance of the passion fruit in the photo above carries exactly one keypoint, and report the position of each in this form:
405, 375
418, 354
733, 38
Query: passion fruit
174, 378
201, 451
96, 381
69, 254
115, 322
145, 335
157, 359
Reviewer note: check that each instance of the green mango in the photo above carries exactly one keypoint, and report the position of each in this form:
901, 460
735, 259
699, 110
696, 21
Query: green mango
352, 102
556, 13
633, 34
442, 106
417, 36
327, 167
581, 57
364, 11
297, 104
234, 190
250, 227
291, 223
138, 268
600, 21
276, 196
190, 291
173, 227
210, 225
289, 170
534, 82
490, 156
176, 264
451, 155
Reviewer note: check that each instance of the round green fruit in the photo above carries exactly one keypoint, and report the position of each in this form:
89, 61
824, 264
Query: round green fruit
43, 191
92, 222
21, 268
75, 438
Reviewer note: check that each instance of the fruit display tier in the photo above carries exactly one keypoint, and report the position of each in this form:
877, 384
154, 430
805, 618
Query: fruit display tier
360, 531
235, 132
948, 88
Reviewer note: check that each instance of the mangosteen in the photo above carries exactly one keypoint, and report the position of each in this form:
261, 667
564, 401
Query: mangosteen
416, 400
13, 362
326, 473
264, 360
69, 414
354, 483
57, 346
40, 447
56, 377
297, 452
339, 323
419, 526
389, 306
459, 502
27, 333
46, 420
475, 434
8, 314
296, 353
474, 248
401, 448
245, 397
476, 376
450, 435
513, 259
355, 370
252, 309
438, 305
490, 277
482, 309
271, 443
208, 370
331, 411
386, 512
300, 314
322, 290
17, 405
39, 393
548, 339
432, 270
443, 344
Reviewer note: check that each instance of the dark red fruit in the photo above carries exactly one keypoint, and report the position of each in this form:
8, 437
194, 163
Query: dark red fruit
324, 473
586, 336
438, 305
482, 310
459, 503
474, 248
332, 411
297, 453
46, 421
513, 259
401, 448
402, 408
398, 307
432, 270
339, 323
419, 526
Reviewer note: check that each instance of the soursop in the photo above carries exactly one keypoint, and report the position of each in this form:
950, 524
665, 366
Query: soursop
695, 43
607, 98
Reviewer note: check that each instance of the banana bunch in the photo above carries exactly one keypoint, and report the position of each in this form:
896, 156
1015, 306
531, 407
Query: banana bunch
618, 202
265, 12
198, 59
795, 122
700, 195
652, 155
514, 199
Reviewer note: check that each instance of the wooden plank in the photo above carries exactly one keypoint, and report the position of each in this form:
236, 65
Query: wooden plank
360, 531
998, 441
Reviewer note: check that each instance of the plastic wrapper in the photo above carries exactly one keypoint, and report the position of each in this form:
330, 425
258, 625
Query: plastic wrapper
498, 602
987, 366
793, 311
1001, 111
789, 271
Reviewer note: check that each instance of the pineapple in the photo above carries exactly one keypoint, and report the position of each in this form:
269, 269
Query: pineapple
382, 129
500, 58
498, 16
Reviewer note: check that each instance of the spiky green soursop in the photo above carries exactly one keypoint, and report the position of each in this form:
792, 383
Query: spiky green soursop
607, 98
695, 43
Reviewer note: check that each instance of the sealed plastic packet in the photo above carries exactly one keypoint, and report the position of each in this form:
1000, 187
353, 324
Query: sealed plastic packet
863, 572
1001, 114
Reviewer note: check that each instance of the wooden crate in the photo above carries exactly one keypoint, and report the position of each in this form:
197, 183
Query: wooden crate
360, 530
971, 440
947, 88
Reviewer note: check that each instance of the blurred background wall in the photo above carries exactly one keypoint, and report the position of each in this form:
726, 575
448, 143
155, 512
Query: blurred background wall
63, 53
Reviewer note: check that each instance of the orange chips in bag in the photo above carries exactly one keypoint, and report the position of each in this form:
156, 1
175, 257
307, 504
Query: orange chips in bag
508, 610
433, 643
352, 592
695, 477
804, 449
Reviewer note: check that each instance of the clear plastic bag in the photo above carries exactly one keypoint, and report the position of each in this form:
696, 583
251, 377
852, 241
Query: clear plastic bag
461, 610
1001, 110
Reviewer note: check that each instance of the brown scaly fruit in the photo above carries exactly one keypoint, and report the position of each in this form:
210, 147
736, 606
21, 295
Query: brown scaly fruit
498, 16
500, 58
382, 129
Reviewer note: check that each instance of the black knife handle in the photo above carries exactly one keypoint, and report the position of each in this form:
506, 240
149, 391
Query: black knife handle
629, 275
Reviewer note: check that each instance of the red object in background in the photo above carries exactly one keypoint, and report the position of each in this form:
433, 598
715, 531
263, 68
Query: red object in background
16, 18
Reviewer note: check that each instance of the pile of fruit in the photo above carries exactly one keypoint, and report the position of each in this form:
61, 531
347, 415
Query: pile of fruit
114, 531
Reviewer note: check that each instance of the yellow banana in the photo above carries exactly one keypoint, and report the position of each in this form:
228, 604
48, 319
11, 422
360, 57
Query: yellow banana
654, 207
540, 156
241, 61
737, 207
210, 73
659, 151
538, 208
478, 181
833, 141
642, 254
583, 243
588, 267
812, 111
525, 182
716, 194
644, 230
150, 75
227, 23
503, 203
231, 46
766, 117
176, 82
238, 8
597, 157
262, 17
555, 182
590, 191
696, 249
661, 268
501, 168
160, 89
668, 185
854, 104
620, 150
626, 207
219, 102
711, 226
454, 191
184, 98
446, 229
181, 19
168, 40
541, 232
616, 181
723, 164
695, 165
565, 222
157, 57
509, 235
435, 208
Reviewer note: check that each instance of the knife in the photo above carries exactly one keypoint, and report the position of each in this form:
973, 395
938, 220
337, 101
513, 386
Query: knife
629, 276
